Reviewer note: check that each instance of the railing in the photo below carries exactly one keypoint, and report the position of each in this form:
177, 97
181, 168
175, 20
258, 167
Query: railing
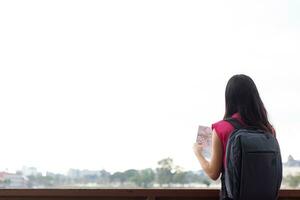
122, 194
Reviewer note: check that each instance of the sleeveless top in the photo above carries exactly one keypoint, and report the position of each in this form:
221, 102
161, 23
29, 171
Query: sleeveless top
223, 130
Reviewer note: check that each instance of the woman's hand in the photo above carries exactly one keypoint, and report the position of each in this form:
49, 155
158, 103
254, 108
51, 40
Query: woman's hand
198, 148
213, 167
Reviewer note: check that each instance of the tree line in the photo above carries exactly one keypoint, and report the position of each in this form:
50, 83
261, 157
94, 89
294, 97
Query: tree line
167, 174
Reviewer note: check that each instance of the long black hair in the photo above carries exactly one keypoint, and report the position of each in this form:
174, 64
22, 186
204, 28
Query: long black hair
241, 96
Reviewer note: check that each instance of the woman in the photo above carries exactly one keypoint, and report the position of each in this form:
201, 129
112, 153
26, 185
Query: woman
242, 102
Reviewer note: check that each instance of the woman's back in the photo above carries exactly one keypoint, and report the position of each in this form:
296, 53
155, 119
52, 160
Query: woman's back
243, 103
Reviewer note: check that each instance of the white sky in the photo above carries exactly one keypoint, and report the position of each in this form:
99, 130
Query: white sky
123, 84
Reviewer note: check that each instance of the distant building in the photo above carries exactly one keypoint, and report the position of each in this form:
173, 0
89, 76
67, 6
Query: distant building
51, 174
29, 171
90, 173
291, 167
292, 162
76, 173
9, 180
3, 176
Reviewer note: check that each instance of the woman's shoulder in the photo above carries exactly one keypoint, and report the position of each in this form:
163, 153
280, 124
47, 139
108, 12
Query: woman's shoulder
223, 127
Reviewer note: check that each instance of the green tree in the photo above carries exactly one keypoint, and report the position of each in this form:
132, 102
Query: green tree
180, 176
131, 175
164, 171
118, 177
7, 182
143, 178
40, 180
104, 177
292, 180
147, 177
206, 181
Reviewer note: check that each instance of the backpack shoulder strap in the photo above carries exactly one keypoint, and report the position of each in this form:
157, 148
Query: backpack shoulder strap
235, 123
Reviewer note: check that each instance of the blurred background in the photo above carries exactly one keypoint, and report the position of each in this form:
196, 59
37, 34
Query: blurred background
90, 90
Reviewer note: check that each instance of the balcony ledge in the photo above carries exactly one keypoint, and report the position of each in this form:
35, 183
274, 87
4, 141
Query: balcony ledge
123, 194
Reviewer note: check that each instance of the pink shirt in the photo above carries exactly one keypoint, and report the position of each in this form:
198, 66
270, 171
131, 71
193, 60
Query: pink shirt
223, 130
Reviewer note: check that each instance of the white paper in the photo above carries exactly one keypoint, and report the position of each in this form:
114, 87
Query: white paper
204, 137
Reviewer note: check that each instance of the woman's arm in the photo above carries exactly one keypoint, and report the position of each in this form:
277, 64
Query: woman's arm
212, 168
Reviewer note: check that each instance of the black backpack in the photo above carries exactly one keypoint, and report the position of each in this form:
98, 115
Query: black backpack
254, 166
